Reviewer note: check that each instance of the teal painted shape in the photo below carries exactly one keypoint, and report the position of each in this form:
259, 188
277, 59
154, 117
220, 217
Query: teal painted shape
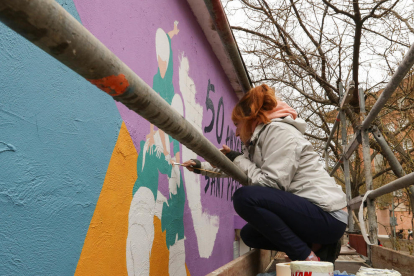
172, 216
164, 87
60, 132
148, 175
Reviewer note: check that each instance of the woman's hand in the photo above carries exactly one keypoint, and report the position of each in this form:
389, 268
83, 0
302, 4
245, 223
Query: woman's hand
189, 165
230, 154
225, 149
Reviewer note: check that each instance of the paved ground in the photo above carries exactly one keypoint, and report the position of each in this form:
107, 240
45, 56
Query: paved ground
349, 262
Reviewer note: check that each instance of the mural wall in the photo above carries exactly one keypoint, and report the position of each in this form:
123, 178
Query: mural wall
87, 187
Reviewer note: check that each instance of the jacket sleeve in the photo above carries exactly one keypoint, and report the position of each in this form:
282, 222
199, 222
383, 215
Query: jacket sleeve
280, 153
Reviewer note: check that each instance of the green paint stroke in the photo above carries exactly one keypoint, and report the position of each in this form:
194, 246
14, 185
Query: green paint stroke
149, 174
172, 216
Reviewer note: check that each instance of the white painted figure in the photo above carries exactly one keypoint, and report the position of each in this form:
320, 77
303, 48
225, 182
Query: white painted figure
205, 225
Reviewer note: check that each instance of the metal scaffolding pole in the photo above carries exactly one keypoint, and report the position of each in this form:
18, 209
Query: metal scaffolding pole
396, 79
387, 152
346, 163
50, 27
344, 99
396, 168
395, 185
337, 165
335, 126
372, 217
394, 164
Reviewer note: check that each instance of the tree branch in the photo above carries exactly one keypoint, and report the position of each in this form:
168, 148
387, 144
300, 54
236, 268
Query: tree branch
337, 10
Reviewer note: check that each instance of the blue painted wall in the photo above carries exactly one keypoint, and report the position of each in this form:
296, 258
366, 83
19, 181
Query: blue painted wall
57, 134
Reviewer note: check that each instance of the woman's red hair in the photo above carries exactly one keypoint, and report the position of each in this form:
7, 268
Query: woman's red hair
252, 108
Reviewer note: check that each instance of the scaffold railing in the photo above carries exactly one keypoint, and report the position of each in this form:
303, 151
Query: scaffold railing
50, 27
361, 136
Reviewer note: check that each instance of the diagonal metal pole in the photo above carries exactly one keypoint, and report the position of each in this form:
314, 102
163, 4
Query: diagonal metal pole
50, 27
394, 164
344, 99
346, 162
331, 135
391, 86
372, 216
389, 89
387, 152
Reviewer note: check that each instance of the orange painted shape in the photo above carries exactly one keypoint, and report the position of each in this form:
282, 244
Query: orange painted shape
159, 258
160, 255
188, 271
104, 249
113, 85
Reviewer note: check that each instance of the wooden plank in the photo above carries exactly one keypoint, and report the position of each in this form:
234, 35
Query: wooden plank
247, 264
345, 250
387, 258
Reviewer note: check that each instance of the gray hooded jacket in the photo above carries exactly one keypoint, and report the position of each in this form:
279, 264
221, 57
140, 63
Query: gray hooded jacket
279, 156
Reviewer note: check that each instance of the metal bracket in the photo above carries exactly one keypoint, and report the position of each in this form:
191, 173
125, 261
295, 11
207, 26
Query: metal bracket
348, 95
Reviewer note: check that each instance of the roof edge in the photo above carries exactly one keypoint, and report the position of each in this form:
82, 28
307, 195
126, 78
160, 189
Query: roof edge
213, 21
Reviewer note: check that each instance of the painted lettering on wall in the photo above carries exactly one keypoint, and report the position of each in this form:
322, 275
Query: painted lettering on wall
220, 113
219, 186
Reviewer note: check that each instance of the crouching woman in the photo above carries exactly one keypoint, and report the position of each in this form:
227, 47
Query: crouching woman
291, 204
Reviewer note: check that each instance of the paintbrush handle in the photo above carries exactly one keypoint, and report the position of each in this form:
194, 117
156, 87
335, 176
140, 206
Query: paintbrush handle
206, 170
197, 168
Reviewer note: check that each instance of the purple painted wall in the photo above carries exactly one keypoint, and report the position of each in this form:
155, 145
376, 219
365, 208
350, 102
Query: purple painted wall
128, 28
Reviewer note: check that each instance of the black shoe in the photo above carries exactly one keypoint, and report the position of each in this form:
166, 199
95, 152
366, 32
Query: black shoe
329, 252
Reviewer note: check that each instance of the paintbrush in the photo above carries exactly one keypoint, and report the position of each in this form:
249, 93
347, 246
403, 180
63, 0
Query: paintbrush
179, 164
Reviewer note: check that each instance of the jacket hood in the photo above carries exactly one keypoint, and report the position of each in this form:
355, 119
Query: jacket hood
298, 123
281, 110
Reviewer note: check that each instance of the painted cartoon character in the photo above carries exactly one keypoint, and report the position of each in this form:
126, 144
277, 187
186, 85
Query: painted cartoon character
154, 205
205, 225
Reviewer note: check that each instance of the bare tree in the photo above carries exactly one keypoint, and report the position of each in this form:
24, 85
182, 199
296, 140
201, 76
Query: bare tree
305, 48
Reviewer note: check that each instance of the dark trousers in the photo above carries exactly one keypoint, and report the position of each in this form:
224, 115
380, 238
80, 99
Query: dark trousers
282, 221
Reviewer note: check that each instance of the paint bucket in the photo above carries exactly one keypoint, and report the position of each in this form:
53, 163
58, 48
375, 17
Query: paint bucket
283, 269
365, 271
305, 268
